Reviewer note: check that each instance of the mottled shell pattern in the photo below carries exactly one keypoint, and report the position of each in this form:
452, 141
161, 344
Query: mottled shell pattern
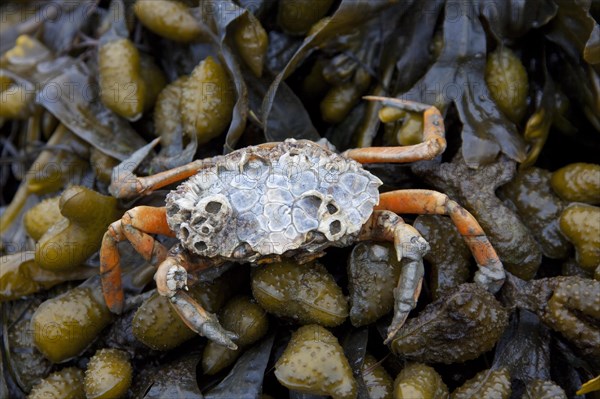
288, 198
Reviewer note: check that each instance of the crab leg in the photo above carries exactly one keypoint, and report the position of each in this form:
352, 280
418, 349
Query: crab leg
171, 281
410, 246
434, 141
136, 226
491, 272
130, 185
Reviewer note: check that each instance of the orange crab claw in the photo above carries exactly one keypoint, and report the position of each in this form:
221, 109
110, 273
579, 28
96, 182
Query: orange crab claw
135, 226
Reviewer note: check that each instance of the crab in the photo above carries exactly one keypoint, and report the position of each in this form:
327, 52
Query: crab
279, 200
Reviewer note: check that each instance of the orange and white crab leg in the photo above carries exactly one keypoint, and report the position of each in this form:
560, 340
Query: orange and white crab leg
491, 273
434, 141
135, 226
129, 185
410, 247
171, 281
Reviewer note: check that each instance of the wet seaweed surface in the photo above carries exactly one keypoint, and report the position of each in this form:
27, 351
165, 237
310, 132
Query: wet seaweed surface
95, 92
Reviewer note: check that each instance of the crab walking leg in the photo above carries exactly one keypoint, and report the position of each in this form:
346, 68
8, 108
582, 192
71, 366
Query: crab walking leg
171, 281
130, 185
434, 141
491, 272
410, 246
135, 226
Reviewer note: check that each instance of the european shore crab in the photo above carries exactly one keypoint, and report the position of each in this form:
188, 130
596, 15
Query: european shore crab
288, 199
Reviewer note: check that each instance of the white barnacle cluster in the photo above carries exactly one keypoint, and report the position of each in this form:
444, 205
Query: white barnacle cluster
260, 201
